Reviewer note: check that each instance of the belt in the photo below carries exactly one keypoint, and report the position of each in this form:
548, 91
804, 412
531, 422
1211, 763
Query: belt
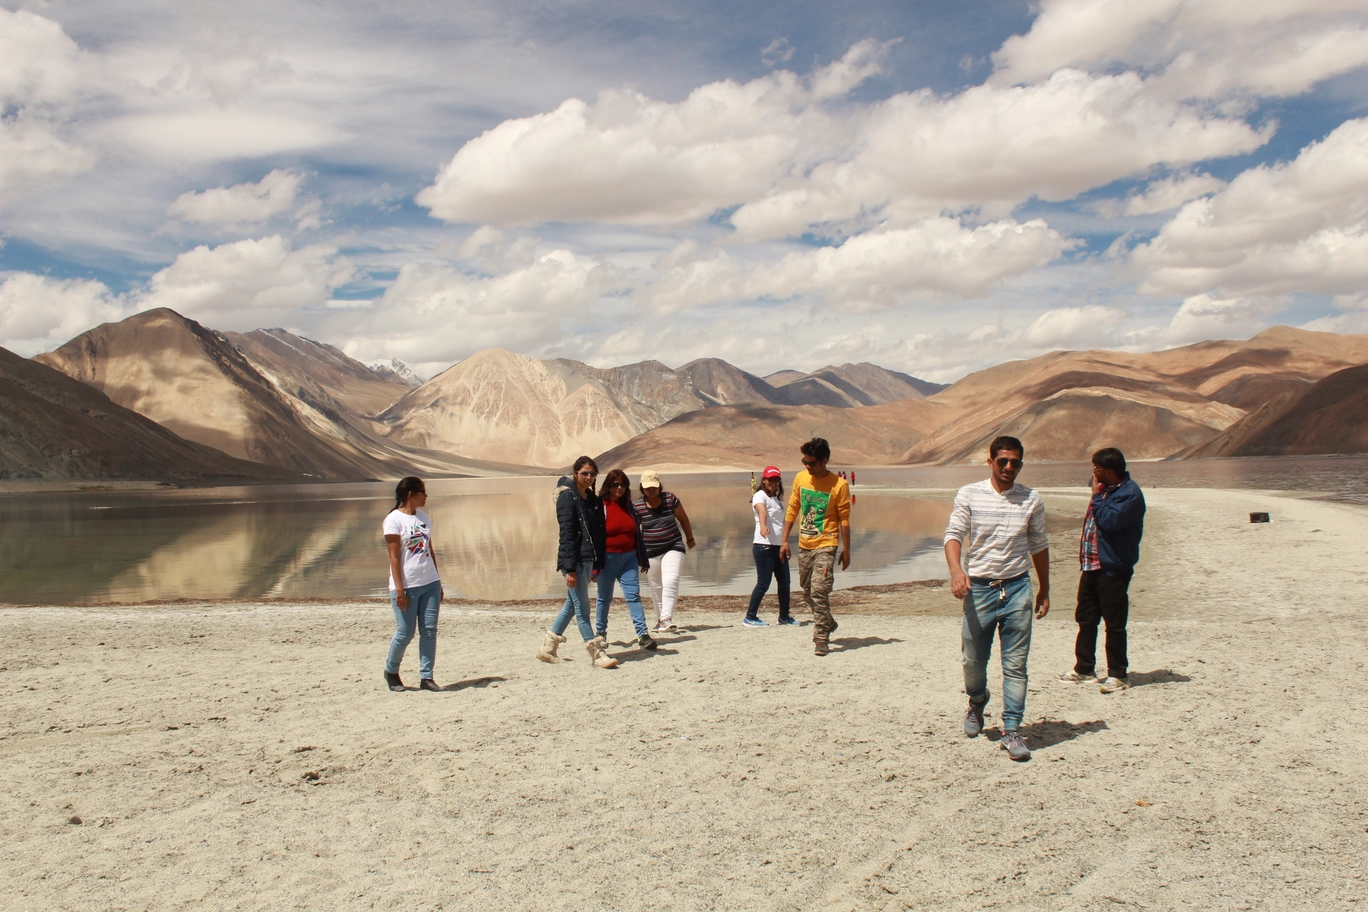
999, 584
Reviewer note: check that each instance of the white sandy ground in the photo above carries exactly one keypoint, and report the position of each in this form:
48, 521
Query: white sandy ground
247, 757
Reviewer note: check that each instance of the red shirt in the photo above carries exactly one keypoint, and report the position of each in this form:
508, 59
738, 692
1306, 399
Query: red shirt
621, 528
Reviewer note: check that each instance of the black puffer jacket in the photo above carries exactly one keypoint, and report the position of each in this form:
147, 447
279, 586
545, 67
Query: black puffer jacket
582, 535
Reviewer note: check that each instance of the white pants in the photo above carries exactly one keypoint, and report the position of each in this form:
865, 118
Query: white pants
664, 580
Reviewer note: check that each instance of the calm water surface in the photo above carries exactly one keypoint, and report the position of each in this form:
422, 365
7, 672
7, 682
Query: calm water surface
495, 538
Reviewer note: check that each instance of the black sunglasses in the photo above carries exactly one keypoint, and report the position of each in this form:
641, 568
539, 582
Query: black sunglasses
1004, 462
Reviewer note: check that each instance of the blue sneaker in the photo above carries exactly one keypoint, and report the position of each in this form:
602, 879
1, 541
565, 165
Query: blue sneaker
754, 622
789, 622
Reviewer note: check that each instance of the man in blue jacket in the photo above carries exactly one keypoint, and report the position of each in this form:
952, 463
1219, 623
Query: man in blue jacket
1107, 554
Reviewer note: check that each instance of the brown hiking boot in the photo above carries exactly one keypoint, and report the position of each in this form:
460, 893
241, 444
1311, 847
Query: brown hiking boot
820, 646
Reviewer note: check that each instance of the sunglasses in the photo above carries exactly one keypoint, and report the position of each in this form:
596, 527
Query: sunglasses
1004, 462
618, 484
809, 463
588, 474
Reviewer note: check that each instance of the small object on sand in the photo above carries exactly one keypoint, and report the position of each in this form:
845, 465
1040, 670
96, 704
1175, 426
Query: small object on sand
73, 819
1259, 518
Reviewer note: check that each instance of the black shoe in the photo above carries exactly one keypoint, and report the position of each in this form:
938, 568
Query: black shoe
428, 684
394, 683
645, 642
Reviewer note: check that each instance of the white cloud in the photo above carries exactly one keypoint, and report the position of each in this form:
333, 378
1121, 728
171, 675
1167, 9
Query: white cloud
1075, 327
1299, 226
434, 314
42, 75
1202, 317
38, 313
1171, 192
1194, 48
249, 283
792, 154
777, 51
992, 148
240, 204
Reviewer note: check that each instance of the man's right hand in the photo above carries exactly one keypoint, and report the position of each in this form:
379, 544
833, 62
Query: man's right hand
959, 583
571, 580
784, 552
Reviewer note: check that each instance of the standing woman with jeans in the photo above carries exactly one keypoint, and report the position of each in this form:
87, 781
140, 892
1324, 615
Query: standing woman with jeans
661, 516
415, 587
627, 558
768, 504
579, 556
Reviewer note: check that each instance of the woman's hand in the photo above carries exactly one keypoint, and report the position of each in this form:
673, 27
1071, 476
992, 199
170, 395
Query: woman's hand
690, 543
571, 580
401, 599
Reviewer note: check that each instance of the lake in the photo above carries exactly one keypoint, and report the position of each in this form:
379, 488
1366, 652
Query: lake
495, 537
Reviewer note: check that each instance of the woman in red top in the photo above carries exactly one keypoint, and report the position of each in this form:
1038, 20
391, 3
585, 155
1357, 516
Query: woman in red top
627, 558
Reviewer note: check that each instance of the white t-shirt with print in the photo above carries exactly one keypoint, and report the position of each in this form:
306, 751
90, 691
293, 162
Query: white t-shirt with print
774, 512
415, 547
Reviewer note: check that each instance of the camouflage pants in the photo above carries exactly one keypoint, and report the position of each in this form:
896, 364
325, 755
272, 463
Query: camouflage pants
816, 574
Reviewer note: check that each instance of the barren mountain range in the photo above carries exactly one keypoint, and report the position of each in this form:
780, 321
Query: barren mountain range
306, 408
52, 427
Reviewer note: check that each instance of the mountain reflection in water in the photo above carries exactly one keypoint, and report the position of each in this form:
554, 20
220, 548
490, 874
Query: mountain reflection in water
496, 537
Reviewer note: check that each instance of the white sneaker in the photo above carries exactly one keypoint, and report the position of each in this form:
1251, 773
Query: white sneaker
1073, 677
1114, 685
663, 627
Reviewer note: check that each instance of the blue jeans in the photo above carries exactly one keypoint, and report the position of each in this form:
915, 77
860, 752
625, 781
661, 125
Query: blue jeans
768, 566
576, 604
423, 604
620, 566
1008, 610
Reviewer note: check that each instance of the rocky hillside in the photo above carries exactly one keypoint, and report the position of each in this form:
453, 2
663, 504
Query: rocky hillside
54, 427
1329, 417
285, 410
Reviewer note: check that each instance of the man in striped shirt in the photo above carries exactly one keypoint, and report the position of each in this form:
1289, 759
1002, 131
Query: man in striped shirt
995, 534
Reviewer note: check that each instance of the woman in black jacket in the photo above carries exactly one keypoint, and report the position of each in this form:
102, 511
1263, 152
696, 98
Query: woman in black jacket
579, 512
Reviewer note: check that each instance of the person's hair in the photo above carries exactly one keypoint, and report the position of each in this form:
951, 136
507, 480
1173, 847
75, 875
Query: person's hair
1005, 443
606, 489
410, 484
817, 448
582, 462
1110, 458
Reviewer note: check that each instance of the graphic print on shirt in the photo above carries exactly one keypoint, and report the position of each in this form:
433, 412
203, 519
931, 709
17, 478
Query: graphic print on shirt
419, 542
812, 511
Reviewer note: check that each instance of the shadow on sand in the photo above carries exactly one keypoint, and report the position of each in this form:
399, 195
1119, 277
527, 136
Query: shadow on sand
473, 682
849, 643
1040, 735
1160, 676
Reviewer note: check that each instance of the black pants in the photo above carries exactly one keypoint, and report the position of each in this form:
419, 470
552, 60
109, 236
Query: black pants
1102, 598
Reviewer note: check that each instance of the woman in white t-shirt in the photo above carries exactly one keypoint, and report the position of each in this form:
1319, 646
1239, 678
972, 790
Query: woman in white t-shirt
415, 587
768, 504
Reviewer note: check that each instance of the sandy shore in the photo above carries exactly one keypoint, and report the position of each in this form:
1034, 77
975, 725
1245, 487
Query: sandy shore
247, 757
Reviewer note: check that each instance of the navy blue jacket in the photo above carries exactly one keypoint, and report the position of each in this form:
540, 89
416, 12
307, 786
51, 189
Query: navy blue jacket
1120, 518
582, 536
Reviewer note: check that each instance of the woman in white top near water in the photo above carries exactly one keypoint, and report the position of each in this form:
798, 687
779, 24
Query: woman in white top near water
415, 588
768, 504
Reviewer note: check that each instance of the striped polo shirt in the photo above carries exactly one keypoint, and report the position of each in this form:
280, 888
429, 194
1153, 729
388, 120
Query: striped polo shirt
999, 532
658, 526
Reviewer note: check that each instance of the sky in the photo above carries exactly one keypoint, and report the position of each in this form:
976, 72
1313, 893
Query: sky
934, 187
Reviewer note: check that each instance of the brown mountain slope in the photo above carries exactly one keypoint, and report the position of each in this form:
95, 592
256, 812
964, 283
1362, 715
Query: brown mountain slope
1210, 384
54, 427
303, 362
749, 435
1328, 417
850, 386
196, 383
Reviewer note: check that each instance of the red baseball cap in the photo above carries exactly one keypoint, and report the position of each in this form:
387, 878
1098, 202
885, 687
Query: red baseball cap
771, 472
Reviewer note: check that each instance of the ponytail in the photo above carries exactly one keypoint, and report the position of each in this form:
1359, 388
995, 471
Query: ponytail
410, 484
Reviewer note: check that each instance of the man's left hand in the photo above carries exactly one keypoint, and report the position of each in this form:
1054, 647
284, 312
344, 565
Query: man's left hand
1042, 605
845, 559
